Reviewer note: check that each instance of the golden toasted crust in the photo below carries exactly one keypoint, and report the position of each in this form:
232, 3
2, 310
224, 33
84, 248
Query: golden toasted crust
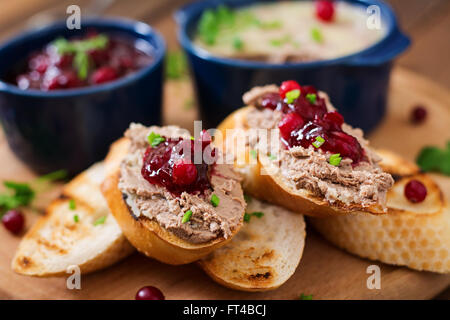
271, 188
412, 235
57, 241
146, 235
263, 255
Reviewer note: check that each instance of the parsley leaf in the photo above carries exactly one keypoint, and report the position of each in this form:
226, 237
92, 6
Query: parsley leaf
434, 159
305, 297
176, 65
155, 139
18, 194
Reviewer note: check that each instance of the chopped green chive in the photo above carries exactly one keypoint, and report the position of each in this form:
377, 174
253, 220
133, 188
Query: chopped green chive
187, 216
76, 218
276, 24
215, 200
319, 142
247, 198
155, 139
258, 214
238, 44
316, 35
335, 159
292, 95
272, 157
253, 153
72, 204
99, 221
192, 138
305, 297
311, 97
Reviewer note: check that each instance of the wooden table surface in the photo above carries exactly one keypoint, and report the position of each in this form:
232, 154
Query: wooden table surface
426, 21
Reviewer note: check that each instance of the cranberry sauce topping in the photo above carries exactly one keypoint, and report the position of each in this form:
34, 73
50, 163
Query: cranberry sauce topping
167, 164
306, 119
80, 62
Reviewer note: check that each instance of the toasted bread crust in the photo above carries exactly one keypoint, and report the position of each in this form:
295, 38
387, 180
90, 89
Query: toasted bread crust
270, 188
145, 235
90, 248
412, 235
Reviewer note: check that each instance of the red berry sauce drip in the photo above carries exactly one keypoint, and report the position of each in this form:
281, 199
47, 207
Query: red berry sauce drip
48, 70
325, 10
149, 293
415, 191
13, 220
167, 165
306, 118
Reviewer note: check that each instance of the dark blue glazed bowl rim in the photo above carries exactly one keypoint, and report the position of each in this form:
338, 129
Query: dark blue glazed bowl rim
393, 43
119, 24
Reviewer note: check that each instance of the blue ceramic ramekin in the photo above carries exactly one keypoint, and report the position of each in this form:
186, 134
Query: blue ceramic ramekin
357, 83
71, 129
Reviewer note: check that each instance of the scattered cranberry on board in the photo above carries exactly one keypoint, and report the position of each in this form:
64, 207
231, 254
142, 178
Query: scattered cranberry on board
415, 191
149, 293
325, 10
13, 220
418, 114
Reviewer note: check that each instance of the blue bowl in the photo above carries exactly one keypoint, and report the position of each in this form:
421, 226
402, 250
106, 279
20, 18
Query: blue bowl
357, 83
71, 129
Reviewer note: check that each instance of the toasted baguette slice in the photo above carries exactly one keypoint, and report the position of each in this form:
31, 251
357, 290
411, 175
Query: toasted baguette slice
261, 180
412, 235
264, 254
57, 241
146, 235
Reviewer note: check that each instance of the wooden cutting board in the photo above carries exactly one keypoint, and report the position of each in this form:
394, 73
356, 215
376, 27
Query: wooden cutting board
325, 272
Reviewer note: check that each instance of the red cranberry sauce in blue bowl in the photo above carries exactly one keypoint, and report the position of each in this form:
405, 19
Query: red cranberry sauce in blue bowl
66, 95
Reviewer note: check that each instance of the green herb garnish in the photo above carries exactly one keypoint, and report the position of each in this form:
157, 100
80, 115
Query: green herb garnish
319, 141
258, 214
20, 194
435, 159
237, 43
316, 35
223, 23
305, 297
267, 25
253, 153
99, 221
280, 41
176, 65
155, 139
311, 97
80, 49
72, 204
76, 219
215, 200
292, 95
247, 198
187, 216
335, 159
272, 157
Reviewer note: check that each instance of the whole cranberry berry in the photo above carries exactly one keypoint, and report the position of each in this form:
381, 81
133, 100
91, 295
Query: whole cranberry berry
415, 191
418, 114
13, 220
287, 86
325, 10
184, 172
149, 293
104, 74
289, 123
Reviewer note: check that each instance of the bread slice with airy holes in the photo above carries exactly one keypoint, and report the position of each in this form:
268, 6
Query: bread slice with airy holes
145, 234
412, 235
264, 181
264, 254
59, 240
